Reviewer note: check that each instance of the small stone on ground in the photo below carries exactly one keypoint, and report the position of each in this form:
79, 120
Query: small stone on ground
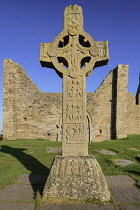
53, 149
135, 149
108, 152
124, 162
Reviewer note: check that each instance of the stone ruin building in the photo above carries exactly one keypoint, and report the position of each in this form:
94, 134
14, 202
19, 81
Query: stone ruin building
112, 111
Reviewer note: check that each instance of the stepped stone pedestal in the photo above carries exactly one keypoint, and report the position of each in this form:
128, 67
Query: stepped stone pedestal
77, 178
74, 54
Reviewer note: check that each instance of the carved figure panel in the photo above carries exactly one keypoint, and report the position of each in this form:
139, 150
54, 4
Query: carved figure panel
73, 17
74, 111
74, 88
44, 55
74, 133
102, 49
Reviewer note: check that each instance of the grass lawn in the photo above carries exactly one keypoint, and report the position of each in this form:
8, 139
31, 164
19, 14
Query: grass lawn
31, 156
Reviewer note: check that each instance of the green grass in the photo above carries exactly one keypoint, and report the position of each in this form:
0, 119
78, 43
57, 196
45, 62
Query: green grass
31, 156
122, 147
24, 157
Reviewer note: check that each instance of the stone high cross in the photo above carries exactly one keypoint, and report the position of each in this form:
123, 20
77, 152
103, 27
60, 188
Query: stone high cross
74, 54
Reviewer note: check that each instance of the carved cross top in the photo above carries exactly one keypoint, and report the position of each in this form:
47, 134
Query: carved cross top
74, 54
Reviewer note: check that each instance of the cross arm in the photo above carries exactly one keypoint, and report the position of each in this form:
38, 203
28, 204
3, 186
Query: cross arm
102, 58
103, 53
45, 59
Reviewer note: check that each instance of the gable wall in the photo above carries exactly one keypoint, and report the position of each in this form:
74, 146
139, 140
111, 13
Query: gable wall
28, 113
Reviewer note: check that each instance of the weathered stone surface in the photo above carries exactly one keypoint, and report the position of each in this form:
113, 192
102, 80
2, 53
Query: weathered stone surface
127, 206
16, 205
120, 180
79, 206
108, 152
32, 179
126, 194
76, 177
16, 192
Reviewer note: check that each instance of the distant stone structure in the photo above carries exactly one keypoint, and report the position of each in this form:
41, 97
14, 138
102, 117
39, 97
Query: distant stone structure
28, 113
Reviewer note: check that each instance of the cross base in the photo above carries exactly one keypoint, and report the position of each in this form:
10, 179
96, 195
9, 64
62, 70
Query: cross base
76, 178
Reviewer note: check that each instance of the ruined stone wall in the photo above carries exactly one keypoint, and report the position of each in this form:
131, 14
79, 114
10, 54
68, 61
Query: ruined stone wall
30, 114
133, 115
108, 106
9, 104
121, 98
99, 108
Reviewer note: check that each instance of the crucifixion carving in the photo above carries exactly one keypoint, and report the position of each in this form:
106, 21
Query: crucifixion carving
74, 54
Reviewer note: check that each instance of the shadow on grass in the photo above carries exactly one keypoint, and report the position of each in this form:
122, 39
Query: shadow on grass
138, 158
134, 172
1, 137
31, 164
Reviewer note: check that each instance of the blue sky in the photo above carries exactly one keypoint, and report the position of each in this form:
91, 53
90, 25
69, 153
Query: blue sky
24, 24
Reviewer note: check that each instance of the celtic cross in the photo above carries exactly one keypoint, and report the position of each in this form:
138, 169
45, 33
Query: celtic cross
74, 54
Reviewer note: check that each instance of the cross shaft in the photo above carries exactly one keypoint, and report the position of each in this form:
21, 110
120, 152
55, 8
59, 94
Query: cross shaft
74, 54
